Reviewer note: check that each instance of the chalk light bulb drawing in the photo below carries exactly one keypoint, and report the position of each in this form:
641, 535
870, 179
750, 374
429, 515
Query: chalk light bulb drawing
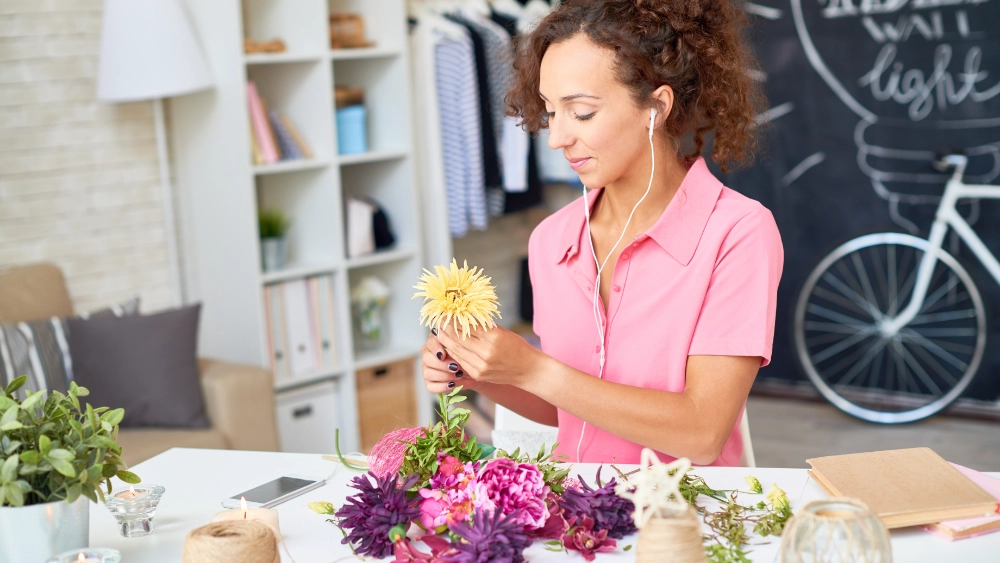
929, 82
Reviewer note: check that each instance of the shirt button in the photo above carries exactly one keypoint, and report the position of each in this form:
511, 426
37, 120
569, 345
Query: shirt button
597, 348
618, 288
624, 256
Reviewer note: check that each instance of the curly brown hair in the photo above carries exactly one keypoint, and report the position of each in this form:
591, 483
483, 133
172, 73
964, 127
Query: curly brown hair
697, 47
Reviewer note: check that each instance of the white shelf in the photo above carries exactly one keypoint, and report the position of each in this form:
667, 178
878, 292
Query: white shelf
291, 166
373, 156
363, 53
382, 257
371, 358
295, 382
286, 57
297, 271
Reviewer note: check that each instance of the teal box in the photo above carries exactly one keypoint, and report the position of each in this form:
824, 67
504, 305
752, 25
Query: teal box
352, 130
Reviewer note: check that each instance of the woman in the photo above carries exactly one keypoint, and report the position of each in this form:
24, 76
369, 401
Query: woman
663, 351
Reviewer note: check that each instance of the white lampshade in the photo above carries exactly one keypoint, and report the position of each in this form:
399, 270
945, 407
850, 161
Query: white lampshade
148, 51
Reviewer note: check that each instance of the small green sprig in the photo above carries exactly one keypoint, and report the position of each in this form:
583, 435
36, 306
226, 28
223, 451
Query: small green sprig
553, 468
447, 436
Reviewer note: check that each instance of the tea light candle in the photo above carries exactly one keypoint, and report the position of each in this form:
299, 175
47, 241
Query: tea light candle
263, 515
131, 493
88, 555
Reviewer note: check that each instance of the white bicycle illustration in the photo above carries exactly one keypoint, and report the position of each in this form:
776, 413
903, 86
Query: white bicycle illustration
890, 327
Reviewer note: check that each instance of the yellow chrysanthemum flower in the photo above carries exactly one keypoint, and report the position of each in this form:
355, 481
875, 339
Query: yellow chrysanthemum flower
460, 296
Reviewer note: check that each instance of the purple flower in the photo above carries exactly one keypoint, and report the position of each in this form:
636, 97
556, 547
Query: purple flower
518, 490
489, 538
584, 538
374, 510
609, 511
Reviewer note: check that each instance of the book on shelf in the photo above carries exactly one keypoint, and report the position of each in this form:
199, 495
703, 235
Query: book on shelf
286, 144
301, 327
909, 487
261, 127
969, 527
299, 140
258, 155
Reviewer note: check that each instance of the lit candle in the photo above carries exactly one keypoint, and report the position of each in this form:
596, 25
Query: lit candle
263, 515
131, 493
81, 559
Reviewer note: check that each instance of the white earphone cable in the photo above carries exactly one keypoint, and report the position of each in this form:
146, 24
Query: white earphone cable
600, 266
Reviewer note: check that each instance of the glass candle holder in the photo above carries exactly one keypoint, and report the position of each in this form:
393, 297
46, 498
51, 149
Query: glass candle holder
88, 555
134, 509
836, 530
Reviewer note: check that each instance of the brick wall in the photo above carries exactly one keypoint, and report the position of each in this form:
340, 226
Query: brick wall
79, 179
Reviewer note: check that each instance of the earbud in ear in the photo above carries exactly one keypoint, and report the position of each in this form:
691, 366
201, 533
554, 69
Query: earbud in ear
652, 120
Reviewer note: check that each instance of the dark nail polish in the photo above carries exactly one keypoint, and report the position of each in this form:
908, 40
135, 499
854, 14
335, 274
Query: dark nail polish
451, 384
434, 331
453, 366
440, 355
459, 373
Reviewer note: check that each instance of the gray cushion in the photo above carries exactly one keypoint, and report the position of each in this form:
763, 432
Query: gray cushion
39, 349
145, 364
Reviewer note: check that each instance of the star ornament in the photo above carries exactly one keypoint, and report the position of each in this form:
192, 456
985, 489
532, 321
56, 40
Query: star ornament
655, 489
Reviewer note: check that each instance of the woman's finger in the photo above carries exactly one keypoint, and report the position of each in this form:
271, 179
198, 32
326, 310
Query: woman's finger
437, 360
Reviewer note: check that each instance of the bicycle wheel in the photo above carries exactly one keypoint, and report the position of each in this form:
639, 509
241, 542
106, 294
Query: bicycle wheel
883, 378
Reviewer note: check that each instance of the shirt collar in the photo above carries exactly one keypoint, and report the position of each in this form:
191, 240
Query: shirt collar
678, 231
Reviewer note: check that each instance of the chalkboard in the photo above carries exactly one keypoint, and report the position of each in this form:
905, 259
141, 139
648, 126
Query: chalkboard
862, 93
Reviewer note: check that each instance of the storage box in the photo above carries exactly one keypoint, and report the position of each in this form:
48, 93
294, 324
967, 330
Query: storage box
386, 400
352, 130
308, 417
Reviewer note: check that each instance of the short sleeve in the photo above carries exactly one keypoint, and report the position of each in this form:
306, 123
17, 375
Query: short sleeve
737, 316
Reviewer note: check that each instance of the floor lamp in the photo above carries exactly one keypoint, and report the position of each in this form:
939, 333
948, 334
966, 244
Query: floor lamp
149, 52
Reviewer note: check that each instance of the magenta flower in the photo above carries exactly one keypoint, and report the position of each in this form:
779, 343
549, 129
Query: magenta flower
582, 537
555, 525
453, 494
519, 487
406, 552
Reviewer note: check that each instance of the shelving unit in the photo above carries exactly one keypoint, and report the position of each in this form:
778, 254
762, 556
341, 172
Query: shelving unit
220, 190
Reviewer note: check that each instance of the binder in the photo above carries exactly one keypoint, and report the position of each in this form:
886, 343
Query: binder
301, 347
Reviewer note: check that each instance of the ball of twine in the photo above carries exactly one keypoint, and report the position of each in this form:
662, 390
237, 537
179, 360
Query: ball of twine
387, 455
677, 539
231, 541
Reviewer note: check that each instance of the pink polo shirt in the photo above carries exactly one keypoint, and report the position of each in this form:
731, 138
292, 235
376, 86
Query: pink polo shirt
703, 280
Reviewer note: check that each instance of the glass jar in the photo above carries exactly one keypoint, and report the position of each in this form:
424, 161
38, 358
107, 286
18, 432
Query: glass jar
371, 323
836, 530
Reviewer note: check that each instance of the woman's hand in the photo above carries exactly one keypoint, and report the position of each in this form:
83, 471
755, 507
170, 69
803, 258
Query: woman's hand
441, 372
496, 356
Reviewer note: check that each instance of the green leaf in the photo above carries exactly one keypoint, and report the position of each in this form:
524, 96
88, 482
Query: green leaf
32, 400
8, 472
15, 385
11, 445
13, 494
73, 492
114, 417
128, 477
12, 425
61, 461
487, 451
9, 415
108, 470
6, 402
31, 457
44, 444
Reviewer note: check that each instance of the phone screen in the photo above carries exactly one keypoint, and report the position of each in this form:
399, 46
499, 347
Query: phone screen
274, 489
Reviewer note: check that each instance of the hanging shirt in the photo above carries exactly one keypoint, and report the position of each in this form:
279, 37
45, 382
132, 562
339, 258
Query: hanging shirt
461, 135
702, 280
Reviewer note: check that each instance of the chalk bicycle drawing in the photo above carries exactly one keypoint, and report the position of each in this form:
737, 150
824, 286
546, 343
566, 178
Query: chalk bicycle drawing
890, 327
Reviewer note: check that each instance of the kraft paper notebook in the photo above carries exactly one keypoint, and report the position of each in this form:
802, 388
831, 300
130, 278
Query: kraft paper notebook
904, 487
969, 527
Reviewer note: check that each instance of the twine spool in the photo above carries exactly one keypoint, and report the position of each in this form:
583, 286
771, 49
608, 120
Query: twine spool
387, 455
677, 540
232, 541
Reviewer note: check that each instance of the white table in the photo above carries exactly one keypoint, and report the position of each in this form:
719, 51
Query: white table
197, 480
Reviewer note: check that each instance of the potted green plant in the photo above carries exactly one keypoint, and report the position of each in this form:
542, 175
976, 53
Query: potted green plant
273, 225
53, 451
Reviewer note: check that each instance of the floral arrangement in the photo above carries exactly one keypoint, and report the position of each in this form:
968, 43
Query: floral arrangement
469, 503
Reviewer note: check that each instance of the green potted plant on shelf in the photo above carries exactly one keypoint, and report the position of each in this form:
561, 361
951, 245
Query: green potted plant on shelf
273, 225
52, 452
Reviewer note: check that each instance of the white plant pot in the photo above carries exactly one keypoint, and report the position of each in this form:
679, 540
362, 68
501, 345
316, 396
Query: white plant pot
273, 253
33, 534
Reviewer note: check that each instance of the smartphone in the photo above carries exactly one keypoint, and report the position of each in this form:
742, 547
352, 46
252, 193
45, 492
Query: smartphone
274, 492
